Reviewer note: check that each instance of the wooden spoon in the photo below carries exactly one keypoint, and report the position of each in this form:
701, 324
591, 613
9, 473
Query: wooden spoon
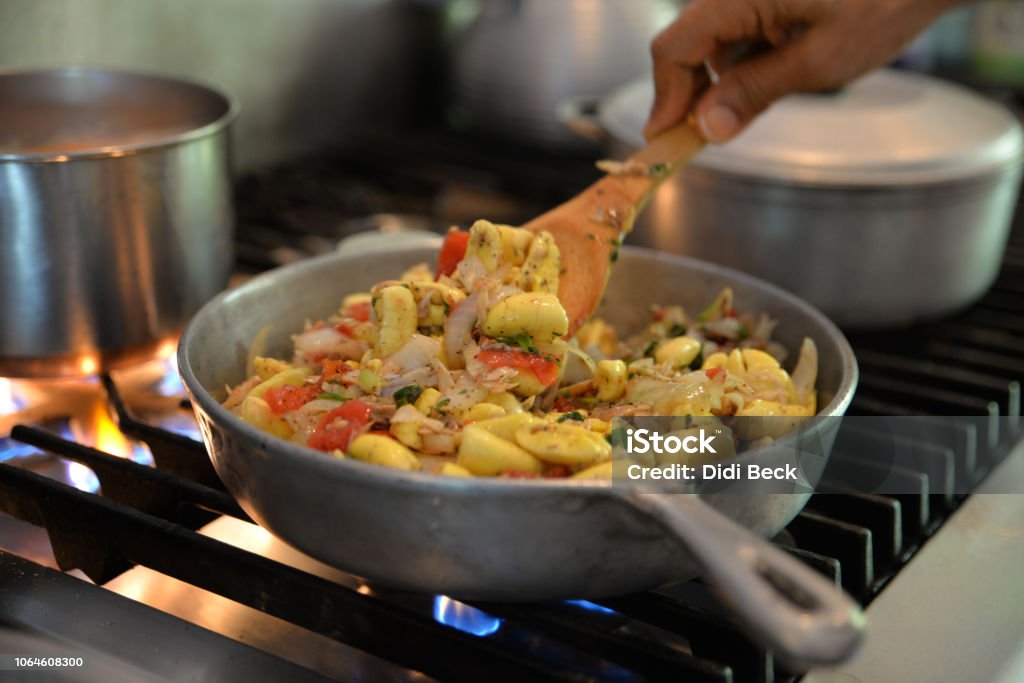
590, 227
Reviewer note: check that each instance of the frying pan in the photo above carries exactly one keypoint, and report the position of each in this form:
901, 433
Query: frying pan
517, 540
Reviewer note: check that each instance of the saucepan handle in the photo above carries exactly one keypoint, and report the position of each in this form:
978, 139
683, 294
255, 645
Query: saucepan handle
789, 607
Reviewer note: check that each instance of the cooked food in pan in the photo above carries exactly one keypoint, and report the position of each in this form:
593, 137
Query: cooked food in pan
469, 372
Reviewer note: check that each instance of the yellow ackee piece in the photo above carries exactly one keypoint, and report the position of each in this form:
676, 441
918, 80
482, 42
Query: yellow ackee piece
505, 427
427, 400
257, 412
295, 377
396, 311
450, 469
482, 411
540, 270
541, 316
483, 452
563, 443
408, 433
384, 451
610, 379
268, 367
679, 352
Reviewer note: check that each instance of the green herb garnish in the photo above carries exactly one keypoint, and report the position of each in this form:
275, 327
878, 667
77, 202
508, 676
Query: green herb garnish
331, 396
441, 404
657, 170
408, 394
743, 331
617, 437
677, 330
571, 415
522, 340
649, 351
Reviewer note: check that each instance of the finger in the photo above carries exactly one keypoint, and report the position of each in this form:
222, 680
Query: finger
673, 93
699, 33
748, 88
676, 56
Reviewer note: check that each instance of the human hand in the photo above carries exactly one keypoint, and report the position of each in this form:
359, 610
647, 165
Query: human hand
813, 45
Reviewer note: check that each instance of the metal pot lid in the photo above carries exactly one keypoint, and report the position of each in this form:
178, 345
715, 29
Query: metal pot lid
886, 128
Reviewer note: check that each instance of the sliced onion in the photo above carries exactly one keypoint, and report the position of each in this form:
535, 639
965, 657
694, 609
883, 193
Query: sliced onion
458, 330
578, 368
805, 374
444, 378
415, 353
465, 393
321, 341
425, 377
727, 328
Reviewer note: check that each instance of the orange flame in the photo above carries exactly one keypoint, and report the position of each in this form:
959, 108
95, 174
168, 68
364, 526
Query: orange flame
107, 436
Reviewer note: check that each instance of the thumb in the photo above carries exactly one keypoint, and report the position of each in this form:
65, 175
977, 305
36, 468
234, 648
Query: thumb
748, 88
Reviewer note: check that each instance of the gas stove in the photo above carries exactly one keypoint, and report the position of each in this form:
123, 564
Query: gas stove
164, 577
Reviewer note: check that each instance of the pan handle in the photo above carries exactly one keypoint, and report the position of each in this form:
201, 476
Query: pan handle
789, 607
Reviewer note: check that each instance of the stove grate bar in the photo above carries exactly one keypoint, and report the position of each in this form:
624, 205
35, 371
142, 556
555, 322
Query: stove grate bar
880, 514
851, 544
916, 513
935, 461
691, 611
132, 638
608, 637
1005, 392
172, 452
144, 488
119, 537
829, 567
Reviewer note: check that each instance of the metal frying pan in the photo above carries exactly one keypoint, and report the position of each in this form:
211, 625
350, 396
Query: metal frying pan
505, 539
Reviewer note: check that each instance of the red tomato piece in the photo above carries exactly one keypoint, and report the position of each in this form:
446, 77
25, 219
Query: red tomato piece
557, 471
337, 427
563, 405
453, 250
285, 398
360, 311
712, 373
333, 369
544, 369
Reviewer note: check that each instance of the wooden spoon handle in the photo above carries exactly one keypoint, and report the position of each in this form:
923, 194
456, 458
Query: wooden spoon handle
663, 156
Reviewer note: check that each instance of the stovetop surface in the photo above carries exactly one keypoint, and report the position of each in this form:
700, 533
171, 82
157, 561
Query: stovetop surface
180, 599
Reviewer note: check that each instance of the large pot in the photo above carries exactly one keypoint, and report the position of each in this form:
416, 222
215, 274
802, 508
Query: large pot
115, 215
516, 60
885, 203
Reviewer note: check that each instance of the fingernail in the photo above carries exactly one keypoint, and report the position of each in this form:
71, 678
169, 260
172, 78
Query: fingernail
719, 123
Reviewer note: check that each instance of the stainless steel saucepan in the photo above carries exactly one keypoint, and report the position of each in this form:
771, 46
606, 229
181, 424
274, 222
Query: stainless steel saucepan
502, 539
843, 198
115, 215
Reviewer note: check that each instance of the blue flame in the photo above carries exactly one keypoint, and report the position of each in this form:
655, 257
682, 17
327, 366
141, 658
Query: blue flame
11, 449
170, 383
464, 618
587, 605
